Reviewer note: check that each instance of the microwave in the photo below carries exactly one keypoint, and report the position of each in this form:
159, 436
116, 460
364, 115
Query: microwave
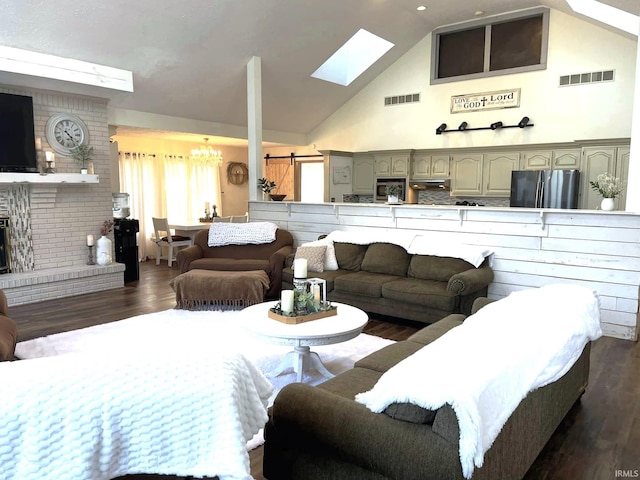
381, 187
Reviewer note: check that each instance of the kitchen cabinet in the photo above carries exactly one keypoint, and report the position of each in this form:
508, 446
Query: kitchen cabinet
566, 159
466, 175
425, 167
391, 166
497, 168
536, 160
363, 178
560, 159
598, 160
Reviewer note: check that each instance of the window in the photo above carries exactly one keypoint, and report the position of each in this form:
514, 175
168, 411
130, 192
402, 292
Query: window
509, 43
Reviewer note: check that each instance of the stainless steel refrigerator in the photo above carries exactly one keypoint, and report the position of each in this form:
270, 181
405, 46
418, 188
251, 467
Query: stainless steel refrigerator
545, 188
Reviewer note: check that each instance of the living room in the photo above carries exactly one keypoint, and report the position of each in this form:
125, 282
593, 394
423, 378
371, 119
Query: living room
60, 216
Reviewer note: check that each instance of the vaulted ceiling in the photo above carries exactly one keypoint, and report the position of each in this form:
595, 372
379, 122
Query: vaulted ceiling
189, 58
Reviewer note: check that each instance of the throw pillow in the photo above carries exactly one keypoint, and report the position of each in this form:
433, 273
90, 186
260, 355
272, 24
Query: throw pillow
314, 256
330, 260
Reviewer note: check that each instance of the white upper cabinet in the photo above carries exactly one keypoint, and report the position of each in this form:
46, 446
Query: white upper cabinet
466, 175
363, 177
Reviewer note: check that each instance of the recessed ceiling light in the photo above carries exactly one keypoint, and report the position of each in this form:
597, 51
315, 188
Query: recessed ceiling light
353, 58
607, 14
421, 8
479, 13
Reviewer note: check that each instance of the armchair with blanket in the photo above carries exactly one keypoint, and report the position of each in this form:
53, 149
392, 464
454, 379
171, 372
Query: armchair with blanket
234, 254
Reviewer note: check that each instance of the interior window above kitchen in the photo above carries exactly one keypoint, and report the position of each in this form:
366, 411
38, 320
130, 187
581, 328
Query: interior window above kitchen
509, 43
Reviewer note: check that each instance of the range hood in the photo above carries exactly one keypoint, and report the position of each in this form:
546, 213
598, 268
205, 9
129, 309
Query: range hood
440, 184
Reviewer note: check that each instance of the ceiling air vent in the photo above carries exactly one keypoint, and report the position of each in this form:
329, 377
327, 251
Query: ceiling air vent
401, 99
591, 77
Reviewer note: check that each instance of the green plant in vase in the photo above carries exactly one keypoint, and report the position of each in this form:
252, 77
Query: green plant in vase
393, 192
82, 154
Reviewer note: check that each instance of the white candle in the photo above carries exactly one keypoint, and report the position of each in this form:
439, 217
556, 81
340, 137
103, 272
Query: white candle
300, 268
50, 156
90, 241
286, 301
206, 207
316, 293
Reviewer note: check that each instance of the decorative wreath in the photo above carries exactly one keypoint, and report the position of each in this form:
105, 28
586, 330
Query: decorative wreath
237, 173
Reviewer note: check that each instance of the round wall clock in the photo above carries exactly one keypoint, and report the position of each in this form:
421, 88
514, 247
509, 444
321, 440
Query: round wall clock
65, 132
237, 173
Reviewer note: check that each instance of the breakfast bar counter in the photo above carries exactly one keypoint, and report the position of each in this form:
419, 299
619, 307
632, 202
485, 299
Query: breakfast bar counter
532, 247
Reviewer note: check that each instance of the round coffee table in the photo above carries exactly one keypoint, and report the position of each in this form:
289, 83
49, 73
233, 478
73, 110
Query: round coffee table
347, 324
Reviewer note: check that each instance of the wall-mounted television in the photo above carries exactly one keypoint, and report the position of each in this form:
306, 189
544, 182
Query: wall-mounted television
17, 138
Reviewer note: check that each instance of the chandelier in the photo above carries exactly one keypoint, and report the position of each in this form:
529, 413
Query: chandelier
206, 155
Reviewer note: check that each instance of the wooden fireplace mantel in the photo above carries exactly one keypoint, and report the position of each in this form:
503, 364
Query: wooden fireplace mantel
36, 178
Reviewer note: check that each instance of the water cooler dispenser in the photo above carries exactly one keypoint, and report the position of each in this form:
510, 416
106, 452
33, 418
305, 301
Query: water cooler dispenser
125, 232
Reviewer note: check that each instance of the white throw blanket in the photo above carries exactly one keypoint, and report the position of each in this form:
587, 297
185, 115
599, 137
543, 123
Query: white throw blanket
414, 244
241, 233
97, 417
493, 360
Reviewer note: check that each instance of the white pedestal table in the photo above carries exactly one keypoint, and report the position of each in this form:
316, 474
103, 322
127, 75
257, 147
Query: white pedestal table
347, 324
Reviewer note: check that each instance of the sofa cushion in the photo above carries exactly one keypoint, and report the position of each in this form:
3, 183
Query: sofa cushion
351, 382
421, 292
314, 256
362, 283
385, 358
428, 334
349, 255
330, 261
429, 267
408, 412
328, 275
386, 258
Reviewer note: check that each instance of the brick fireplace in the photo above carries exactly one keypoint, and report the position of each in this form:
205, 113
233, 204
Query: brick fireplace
50, 218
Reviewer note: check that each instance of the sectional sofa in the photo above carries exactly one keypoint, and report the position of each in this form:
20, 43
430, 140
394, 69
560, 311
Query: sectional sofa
321, 432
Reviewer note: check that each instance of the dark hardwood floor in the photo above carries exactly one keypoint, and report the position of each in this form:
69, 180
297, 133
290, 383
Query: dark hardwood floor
599, 439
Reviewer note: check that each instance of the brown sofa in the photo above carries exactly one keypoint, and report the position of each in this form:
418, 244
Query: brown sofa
383, 278
321, 432
269, 257
8, 331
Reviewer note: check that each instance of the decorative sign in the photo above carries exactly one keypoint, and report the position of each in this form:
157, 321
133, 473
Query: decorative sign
474, 102
341, 175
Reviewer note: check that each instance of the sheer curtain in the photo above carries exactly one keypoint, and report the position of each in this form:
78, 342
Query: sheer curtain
171, 186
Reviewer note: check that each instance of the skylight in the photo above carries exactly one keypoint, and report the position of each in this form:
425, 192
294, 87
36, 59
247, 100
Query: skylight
353, 58
607, 14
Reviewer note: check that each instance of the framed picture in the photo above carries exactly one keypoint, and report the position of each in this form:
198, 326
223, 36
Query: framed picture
341, 175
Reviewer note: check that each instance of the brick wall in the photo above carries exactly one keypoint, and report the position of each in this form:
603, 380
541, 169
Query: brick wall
55, 219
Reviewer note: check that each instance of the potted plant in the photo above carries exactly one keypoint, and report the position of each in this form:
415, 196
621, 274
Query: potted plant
82, 154
609, 187
393, 193
266, 186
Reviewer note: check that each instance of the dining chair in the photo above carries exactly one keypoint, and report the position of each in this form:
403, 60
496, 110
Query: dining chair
164, 238
240, 218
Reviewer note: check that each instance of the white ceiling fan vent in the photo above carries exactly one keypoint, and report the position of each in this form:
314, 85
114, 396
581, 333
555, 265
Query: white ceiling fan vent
401, 99
591, 77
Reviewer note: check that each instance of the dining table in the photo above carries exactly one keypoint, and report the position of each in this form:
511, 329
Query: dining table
189, 229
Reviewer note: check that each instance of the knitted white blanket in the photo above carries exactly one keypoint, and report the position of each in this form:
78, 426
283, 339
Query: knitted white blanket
97, 417
413, 244
241, 233
487, 365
